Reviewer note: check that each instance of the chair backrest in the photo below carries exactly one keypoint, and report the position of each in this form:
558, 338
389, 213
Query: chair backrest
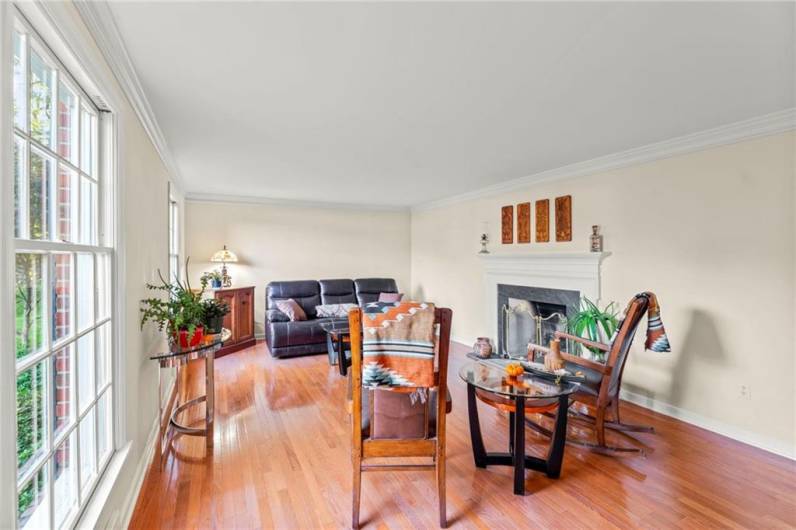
338, 292
442, 318
620, 347
307, 293
368, 289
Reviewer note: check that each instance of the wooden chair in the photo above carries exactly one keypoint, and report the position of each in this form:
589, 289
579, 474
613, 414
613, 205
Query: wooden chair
601, 389
431, 445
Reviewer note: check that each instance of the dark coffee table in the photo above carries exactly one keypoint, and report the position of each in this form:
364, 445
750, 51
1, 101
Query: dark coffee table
526, 392
337, 336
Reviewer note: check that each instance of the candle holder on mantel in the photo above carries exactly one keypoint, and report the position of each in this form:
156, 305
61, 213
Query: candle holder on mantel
484, 241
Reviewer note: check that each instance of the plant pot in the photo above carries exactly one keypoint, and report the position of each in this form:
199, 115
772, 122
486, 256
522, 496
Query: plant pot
189, 342
215, 284
214, 324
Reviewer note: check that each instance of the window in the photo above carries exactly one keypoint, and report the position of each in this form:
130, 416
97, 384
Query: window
174, 240
63, 257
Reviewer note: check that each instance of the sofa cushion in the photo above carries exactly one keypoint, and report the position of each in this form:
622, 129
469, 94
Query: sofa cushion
334, 310
404, 407
337, 292
369, 289
275, 315
306, 293
291, 308
390, 297
296, 333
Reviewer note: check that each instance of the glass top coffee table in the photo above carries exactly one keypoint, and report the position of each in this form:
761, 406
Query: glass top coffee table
488, 382
337, 336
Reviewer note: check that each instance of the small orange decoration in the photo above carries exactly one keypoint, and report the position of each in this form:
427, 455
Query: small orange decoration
514, 369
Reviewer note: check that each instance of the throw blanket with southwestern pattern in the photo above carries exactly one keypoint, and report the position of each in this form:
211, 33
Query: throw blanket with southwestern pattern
656, 336
398, 344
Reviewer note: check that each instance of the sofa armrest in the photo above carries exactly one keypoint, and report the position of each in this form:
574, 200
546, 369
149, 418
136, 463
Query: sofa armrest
275, 315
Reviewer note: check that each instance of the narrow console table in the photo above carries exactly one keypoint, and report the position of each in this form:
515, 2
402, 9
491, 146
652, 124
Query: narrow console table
178, 358
516, 396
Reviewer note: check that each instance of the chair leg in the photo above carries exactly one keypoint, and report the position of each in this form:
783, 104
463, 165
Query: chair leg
615, 425
356, 493
443, 517
599, 426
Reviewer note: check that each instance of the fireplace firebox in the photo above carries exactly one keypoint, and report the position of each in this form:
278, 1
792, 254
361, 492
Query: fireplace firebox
532, 314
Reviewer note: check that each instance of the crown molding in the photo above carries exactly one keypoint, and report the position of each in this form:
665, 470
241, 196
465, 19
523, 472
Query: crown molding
99, 20
242, 199
773, 123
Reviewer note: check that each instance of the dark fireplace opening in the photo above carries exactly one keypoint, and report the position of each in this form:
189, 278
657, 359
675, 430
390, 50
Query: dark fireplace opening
532, 314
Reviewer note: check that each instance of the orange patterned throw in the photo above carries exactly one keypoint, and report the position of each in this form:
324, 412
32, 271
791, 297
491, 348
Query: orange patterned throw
398, 344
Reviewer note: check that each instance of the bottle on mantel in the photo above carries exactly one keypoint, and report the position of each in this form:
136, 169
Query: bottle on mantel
596, 239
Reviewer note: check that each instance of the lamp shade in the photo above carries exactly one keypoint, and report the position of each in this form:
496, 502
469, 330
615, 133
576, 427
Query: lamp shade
224, 256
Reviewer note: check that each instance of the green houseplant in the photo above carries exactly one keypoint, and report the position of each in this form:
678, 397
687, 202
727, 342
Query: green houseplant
180, 312
214, 278
214, 312
595, 324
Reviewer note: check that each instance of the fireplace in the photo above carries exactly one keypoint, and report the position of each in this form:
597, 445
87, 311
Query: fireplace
532, 314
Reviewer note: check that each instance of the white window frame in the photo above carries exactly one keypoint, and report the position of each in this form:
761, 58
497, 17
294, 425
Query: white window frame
107, 217
174, 238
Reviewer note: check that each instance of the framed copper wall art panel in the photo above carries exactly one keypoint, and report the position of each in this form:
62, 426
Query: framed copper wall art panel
524, 222
564, 218
543, 221
507, 224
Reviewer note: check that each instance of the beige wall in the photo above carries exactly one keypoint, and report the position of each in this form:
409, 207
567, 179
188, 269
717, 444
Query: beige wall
276, 242
712, 233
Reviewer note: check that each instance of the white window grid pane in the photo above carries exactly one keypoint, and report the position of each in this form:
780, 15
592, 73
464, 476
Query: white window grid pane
45, 465
20, 79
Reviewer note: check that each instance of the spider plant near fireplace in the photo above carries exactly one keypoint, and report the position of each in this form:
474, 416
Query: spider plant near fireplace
595, 324
180, 312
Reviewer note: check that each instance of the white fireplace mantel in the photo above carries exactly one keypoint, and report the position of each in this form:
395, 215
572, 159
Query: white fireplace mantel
574, 271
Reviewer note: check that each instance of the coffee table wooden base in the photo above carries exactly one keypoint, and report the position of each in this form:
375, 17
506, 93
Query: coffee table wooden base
516, 456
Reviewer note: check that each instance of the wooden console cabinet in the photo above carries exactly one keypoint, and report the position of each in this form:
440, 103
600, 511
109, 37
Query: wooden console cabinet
240, 320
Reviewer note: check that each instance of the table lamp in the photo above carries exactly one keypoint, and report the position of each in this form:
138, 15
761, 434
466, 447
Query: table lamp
225, 256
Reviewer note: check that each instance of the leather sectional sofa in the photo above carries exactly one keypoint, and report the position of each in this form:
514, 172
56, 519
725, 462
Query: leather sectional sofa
289, 339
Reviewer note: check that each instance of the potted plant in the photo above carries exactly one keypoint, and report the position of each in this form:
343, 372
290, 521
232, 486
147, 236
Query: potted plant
180, 312
214, 312
594, 324
213, 278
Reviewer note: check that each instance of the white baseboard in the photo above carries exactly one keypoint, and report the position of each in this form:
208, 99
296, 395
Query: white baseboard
142, 466
777, 447
138, 478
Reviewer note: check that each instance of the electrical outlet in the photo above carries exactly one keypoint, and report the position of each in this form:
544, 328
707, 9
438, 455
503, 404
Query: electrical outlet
746, 392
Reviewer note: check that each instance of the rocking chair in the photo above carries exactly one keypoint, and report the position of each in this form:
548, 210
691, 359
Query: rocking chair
600, 391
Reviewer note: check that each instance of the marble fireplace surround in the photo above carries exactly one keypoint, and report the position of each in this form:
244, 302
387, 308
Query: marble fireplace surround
573, 271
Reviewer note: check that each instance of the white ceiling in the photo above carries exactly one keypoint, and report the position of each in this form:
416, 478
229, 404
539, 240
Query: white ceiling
399, 104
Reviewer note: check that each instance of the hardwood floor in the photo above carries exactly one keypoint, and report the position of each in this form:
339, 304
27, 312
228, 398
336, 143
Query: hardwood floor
282, 460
